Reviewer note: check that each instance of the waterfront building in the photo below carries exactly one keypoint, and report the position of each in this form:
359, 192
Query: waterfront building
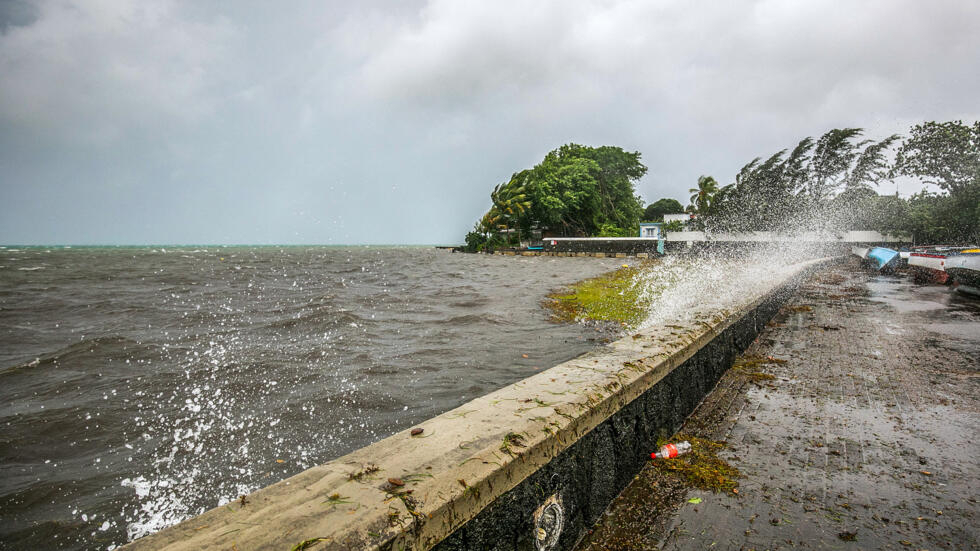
650, 230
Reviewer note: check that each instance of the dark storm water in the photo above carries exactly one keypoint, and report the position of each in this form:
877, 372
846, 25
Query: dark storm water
141, 386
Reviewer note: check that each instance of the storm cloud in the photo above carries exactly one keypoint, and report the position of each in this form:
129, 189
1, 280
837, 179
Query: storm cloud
359, 122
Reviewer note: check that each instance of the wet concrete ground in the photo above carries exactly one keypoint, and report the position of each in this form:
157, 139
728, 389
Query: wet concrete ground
867, 437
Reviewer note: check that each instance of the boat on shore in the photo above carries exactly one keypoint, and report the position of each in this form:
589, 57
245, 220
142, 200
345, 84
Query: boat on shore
860, 252
883, 259
903, 257
964, 268
928, 266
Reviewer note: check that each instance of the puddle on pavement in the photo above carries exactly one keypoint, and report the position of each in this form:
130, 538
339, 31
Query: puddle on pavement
958, 330
905, 296
940, 309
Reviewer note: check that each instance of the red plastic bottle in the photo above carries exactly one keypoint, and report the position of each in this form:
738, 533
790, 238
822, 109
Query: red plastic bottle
670, 451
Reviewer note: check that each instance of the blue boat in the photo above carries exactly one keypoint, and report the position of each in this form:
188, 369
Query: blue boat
883, 259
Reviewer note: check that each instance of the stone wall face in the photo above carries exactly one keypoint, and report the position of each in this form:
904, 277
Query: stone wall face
675, 244
589, 474
608, 246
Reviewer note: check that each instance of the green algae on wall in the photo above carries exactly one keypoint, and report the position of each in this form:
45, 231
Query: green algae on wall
612, 297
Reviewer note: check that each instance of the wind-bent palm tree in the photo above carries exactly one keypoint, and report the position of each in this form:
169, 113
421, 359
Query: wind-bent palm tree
702, 195
509, 204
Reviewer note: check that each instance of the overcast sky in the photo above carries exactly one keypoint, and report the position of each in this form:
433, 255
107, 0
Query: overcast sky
388, 122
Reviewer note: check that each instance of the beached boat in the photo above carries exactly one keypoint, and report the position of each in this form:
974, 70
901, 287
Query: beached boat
903, 257
964, 268
883, 259
860, 252
928, 266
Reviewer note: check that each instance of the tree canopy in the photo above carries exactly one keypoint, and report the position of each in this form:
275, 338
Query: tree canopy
831, 182
946, 154
825, 183
655, 211
574, 190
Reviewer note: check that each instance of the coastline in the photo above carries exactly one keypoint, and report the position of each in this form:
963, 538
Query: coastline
413, 491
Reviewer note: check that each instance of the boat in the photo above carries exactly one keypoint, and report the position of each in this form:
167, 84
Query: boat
883, 259
964, 268
928, 266
860, 252
903, 257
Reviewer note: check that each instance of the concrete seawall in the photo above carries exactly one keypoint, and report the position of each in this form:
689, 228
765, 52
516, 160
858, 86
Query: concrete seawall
529, 466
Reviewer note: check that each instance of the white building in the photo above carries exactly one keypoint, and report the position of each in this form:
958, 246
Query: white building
682, 218
650, 230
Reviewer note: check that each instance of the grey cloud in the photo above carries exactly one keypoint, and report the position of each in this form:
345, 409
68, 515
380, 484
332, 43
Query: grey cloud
16, 13
95, 71
175, 121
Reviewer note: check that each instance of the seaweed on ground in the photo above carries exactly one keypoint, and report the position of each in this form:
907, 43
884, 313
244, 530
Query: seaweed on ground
747, 367
306, 544
367, 471
336, 499
511, 440
701, 467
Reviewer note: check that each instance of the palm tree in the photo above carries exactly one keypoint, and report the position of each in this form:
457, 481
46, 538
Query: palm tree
489, 221
509, 204
702, 195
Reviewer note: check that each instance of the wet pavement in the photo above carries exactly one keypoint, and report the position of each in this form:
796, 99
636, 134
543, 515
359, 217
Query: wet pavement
867, 436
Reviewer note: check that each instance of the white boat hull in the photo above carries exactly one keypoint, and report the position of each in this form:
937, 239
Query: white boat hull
965, 270
967, 262
932, 262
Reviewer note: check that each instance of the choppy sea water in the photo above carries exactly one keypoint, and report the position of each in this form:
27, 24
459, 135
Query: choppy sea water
141, 386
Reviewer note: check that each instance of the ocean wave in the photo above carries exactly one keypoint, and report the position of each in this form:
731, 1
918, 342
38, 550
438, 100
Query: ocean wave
472, 303
96, 346
318, 320
475, 319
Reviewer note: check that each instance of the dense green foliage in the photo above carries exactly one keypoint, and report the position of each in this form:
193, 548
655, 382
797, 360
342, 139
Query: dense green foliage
655, 211
829, 184
817, 182
477, 242
576, 190
946, 154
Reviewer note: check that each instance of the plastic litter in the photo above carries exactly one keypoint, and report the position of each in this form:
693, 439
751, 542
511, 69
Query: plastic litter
669, 451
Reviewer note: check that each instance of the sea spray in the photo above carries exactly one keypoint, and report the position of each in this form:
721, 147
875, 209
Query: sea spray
681, 286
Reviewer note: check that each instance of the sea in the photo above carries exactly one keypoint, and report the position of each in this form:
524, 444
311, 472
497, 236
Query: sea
144, 385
